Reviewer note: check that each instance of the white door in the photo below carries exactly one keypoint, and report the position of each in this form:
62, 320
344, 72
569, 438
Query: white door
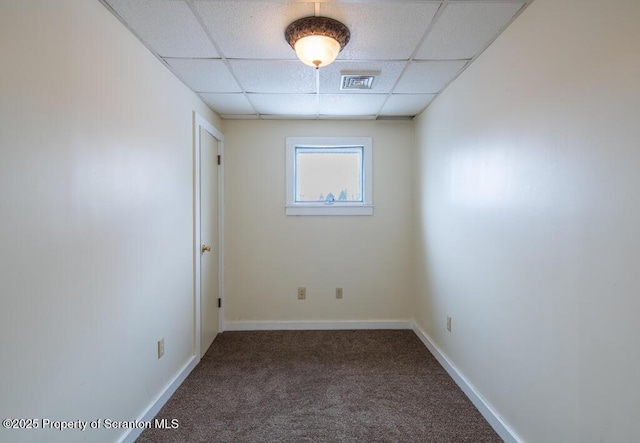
209, 250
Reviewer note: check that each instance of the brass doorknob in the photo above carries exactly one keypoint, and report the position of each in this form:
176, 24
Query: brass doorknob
205, 248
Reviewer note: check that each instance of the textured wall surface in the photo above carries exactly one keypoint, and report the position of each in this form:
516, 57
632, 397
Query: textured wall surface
529, 210
269, 255
96, 179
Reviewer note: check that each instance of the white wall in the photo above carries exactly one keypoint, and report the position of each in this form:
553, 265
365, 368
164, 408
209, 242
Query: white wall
528, 172
269, 254
96, 228
528, 207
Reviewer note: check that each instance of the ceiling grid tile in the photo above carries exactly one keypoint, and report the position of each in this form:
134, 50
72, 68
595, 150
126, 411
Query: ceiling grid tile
204, 75
168, 27
235, 56
465, 29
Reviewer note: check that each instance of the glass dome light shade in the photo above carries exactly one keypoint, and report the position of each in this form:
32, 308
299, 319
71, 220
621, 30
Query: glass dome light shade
317, 50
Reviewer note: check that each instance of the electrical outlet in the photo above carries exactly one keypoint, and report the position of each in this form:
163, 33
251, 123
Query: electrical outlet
302, 293
160, 347
339, 293
448, 323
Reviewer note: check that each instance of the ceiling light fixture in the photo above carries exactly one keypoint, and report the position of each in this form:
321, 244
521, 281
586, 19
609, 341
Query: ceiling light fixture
317, 40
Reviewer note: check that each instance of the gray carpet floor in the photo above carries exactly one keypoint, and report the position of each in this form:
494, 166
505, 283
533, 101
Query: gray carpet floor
320, 386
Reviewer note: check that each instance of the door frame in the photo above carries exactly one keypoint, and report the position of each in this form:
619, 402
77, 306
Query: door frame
199, 122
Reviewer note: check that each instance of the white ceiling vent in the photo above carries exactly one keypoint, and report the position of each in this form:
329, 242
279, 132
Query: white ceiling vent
358, 80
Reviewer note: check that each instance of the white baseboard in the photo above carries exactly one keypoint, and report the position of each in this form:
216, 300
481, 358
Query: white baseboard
313, 325
497, 423
155, 406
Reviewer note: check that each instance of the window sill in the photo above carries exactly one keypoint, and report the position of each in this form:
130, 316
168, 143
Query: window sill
335, 209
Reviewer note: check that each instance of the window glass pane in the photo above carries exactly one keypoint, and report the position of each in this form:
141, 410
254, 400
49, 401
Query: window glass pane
329, 174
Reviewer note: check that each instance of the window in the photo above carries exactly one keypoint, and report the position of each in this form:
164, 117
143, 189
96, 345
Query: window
329, 176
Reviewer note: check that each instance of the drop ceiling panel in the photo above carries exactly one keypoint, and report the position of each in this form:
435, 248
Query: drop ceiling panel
249, 29
406, 104
382, 30
233, 52
389, 72
351, 104
229, 104
465, 29
285, 104
167, 26
204, 75
239, 117
428, 77
274, 76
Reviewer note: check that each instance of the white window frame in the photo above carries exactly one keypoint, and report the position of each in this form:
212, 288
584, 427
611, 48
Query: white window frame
330, 208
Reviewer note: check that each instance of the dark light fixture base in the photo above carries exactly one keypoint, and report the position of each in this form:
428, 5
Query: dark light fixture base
326, 26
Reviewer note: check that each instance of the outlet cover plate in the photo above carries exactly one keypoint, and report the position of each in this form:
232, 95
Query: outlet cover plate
160, 348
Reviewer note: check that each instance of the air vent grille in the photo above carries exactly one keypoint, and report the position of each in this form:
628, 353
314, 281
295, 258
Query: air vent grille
357, 81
